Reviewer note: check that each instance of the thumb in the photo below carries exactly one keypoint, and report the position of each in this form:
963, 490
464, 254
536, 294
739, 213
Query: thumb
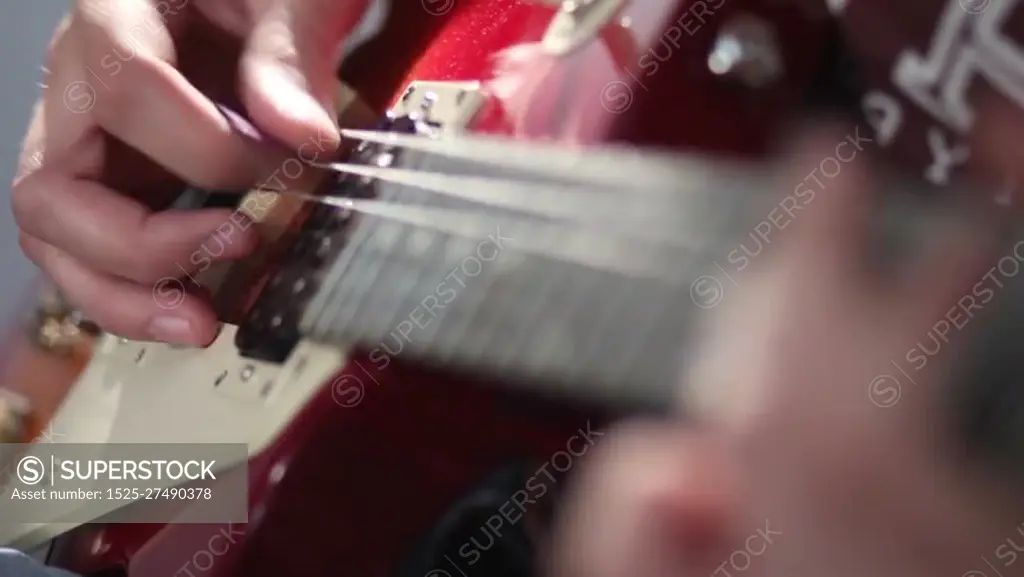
289, 67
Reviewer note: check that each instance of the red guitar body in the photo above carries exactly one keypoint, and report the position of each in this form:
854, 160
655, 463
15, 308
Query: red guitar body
349, 490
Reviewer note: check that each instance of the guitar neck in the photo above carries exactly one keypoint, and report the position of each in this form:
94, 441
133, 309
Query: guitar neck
582, 310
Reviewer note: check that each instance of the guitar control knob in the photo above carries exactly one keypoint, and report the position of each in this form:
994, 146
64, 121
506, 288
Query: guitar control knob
14, 414
56, 327
747, 51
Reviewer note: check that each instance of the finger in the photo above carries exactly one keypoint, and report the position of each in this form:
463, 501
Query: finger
957, 271
30, 159
161, 312
232, 17
61, 132
118, 236
964, 262
651, 502
995, 147
289, 68
128, 84
33, 146
60, 93
829, 181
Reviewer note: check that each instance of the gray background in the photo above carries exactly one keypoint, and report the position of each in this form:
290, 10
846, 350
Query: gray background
25, 29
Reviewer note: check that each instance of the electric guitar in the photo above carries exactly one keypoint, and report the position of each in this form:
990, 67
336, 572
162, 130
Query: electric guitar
513, 255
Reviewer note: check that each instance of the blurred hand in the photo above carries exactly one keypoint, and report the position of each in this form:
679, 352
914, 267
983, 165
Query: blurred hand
126, 116
812, 452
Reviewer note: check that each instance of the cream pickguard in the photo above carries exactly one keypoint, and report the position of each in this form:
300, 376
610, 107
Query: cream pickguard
139, 392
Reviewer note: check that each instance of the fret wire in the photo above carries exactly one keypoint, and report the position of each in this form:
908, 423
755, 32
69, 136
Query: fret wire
337, 281
583, 302
659, 339
464, 307
443, 243
365, 310
509, 294
546, 284
393, 301
392, 264
566, 339
471, 315
605, 317
354, 304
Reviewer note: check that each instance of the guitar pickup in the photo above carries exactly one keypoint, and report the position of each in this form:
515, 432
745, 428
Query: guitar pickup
270, 329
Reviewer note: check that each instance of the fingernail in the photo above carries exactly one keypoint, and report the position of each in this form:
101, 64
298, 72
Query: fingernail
240, 123
171, 330
289, 94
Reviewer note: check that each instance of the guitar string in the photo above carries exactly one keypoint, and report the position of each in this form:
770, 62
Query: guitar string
597, 226
661, 222
656, 212
615, 165
592, 247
